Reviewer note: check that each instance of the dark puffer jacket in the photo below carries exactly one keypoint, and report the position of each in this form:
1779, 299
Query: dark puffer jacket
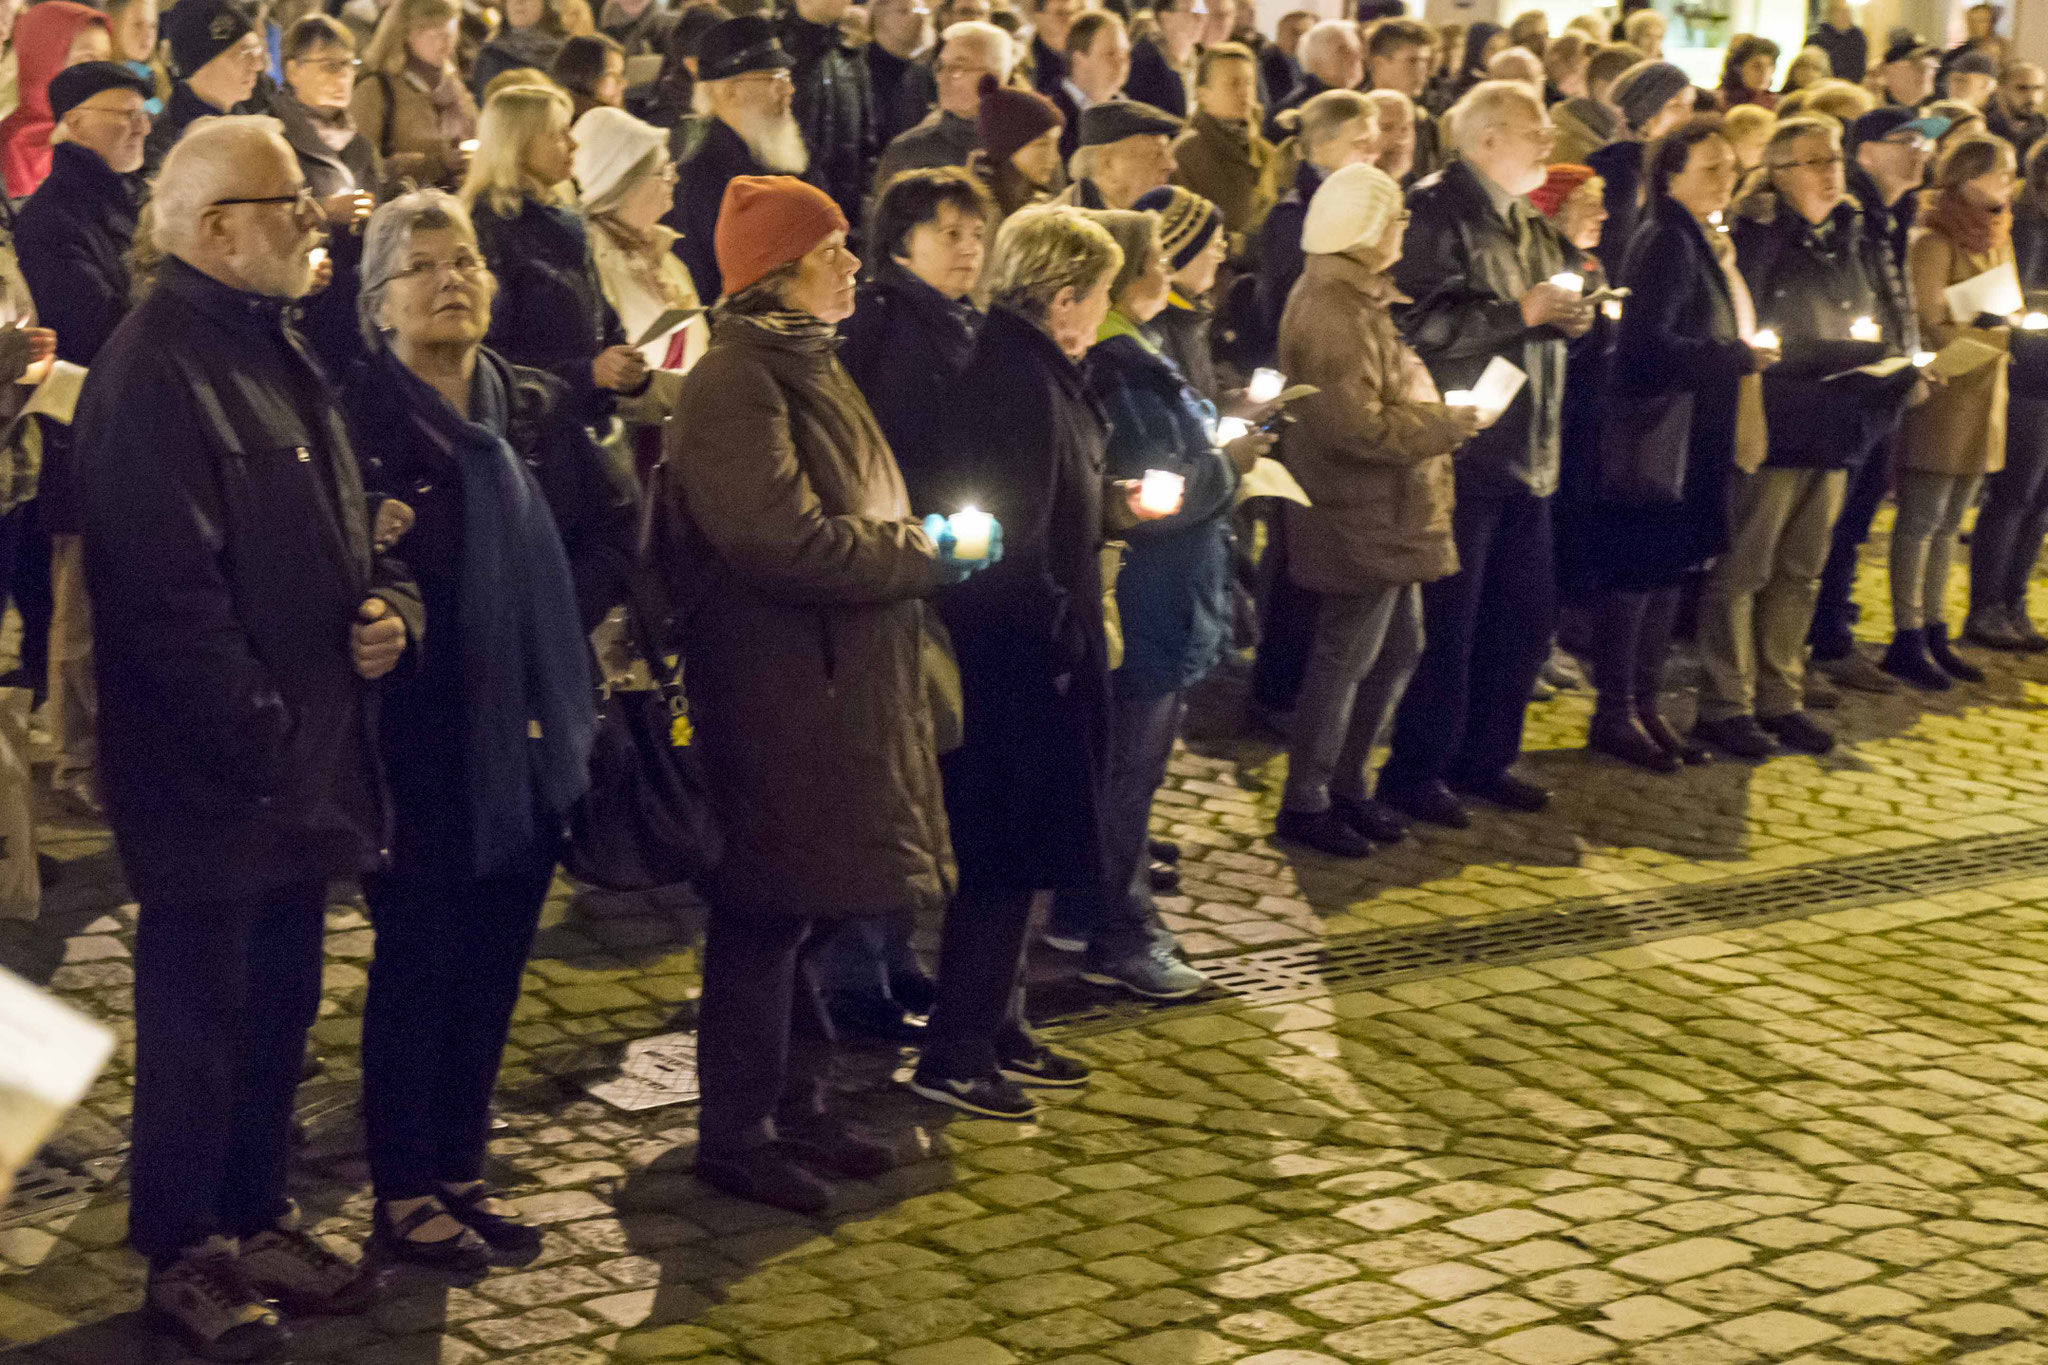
550, 311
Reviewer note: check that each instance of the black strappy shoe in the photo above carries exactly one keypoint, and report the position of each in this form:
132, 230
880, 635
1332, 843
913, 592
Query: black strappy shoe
506, 1235
466, 1253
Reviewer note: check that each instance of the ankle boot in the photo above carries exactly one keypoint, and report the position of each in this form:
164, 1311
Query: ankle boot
1952, 663
1659, 730
1907, 659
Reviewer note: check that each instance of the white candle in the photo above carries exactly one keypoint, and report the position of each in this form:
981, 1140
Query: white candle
2034, 322
467, 146
1230, 429
1266, 385
970, 533
1765, 340
1863, 329
316, 257
1569, 280
1459, 398
1923, 358
1612, 308
1160, 492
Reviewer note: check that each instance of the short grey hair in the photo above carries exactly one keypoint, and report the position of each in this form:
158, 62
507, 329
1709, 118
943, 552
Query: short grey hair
208, 164
389, 235
1323, 40
1487, 106
990, 38
1046, 248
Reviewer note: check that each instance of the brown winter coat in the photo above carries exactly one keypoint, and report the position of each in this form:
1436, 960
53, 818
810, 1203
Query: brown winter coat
1373, 448
803, 633
1227, 166
1960, 429
398, 118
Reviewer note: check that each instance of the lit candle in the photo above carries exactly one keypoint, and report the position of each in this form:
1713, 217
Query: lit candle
1160, 492
1923, 358
1863, 329
970, 533
1765, 340
2034, 322
1569, 280
1230, 429
317, 257
467, 146
1612, 308
1266, 385
1460, 398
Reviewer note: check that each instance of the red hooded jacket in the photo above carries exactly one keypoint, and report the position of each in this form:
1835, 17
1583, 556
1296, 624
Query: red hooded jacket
42, 40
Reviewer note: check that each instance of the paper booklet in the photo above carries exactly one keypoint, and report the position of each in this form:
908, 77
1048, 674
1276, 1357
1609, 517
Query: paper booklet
668, 322
1996, 291
1268, 478
49, 1054
1961, 356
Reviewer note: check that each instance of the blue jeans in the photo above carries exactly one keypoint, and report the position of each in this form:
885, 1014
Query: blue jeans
1118, 919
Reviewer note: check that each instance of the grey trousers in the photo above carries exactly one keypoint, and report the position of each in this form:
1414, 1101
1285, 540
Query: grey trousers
1931, 508
1365, 651
1759, 598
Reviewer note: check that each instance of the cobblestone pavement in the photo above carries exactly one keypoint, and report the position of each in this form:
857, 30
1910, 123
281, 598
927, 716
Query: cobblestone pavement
1816, 1139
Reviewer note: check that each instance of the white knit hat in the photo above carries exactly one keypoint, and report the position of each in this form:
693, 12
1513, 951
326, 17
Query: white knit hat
1353, 206
610, 143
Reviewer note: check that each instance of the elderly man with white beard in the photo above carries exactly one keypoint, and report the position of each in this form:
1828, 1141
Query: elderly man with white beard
743, 82
241, 620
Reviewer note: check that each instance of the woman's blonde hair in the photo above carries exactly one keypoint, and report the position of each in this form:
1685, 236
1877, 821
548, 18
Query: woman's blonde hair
387, 49
513, 120
1812, 65
1981, 154
1046, 248
1844, 101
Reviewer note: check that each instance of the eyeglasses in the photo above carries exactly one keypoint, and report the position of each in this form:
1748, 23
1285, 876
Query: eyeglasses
302, 195
137, 116
1823, 163
465, 265
330, 66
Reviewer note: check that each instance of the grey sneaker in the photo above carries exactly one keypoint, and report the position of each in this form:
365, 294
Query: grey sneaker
1154, 973
205, 1298
303, 1275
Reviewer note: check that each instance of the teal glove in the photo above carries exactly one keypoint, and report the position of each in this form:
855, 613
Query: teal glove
958, 570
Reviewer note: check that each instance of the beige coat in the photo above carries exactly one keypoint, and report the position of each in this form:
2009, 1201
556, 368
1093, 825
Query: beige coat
1373, 448
415, 146
1960, 429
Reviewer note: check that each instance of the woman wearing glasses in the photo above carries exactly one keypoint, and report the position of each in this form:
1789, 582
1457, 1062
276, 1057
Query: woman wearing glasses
340, 167
520, 544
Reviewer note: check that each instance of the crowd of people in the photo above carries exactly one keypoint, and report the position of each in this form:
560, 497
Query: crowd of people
936, 368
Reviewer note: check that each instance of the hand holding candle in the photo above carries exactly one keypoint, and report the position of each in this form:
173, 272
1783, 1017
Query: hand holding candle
1160, 493
1764, 340
1570, 281
1230, 429
1265, 386
971, 532
2034, 322
1863, 329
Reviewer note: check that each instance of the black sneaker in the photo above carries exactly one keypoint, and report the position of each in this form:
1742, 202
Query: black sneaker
1376, 820
1162, 876
1952, 663
1163, 850
1737, 735
1044, 1068
1908, 660
202, 1295
991, 1097
1322, 830
1797, 730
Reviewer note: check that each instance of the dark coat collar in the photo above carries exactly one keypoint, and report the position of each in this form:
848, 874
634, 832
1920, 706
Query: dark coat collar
235, 309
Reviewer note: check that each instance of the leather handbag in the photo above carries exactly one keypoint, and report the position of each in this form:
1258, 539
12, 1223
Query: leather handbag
647, 820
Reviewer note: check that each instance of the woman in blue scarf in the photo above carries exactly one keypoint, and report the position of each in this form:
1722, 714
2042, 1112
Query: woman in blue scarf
520, 541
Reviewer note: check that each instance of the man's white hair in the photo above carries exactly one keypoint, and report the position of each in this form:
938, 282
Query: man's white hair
209, 163
994, 43
1516, 64
1490, 105
1323, 41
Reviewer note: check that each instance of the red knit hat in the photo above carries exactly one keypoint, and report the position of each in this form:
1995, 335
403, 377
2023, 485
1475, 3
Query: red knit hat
1011, 118
1562, 182
767, 221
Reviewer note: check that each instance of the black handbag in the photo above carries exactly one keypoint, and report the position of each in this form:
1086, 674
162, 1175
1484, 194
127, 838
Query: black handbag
1644, 445
647, 818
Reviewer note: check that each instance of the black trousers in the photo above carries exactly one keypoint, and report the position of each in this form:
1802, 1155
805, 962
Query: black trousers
1486, 633
224, 994
1287, 625
1631, 639
443, 986
764, 1041
979, 1018
1834, 615
2014, 520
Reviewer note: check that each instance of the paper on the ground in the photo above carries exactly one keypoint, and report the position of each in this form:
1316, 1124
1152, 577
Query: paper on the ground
1961, 356
1498, 384
1997, 291
49, 1053
665, 324
653, 1072
1268, 478
57, 396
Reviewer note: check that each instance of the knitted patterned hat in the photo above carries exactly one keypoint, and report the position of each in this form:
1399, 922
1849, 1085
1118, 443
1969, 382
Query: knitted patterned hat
1187, 221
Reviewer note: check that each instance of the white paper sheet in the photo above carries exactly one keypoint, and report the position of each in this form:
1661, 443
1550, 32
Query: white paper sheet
1268, 478
666, 324
1498, 384
57, 396
1997, 291
49, 1054
1961, 356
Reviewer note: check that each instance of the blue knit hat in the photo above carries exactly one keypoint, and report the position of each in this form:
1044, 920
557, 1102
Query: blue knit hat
1186, 222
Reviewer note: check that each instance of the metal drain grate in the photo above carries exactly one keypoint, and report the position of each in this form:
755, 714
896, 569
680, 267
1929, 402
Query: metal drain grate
1570, 928
43, 1190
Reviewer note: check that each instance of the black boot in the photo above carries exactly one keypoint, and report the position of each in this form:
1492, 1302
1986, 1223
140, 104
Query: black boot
1620, 735
1952, 663
1659, 730
1909, 661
